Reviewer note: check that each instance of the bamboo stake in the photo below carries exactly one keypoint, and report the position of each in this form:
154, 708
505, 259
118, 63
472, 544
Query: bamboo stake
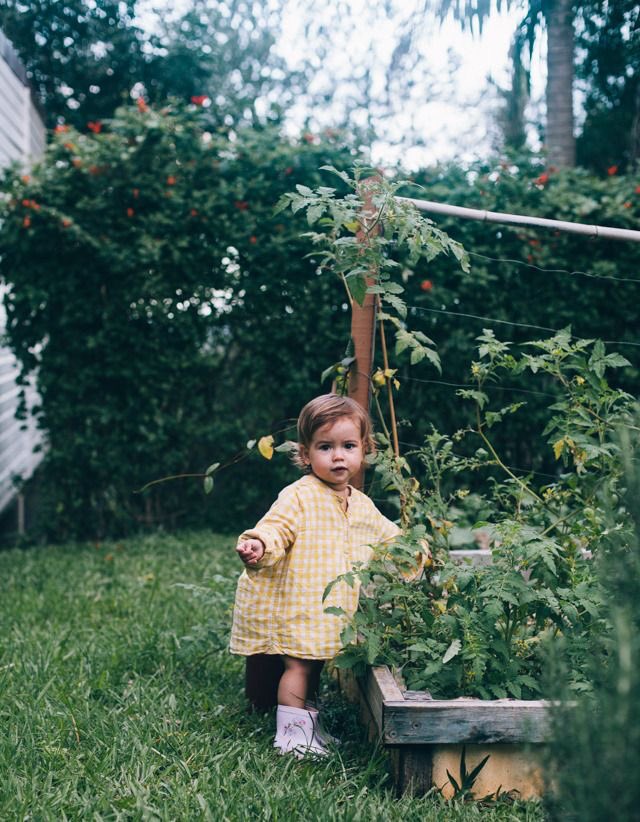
601, 232
392, 408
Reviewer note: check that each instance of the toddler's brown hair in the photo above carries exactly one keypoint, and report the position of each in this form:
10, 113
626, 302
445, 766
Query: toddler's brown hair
327, 408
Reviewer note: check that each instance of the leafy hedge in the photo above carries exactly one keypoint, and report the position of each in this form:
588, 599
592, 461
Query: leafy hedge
171, 314
524, 283
168, 312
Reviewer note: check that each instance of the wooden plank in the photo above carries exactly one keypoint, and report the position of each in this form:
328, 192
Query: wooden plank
412, 769
465, 721
419, 719
473, 556
377, 688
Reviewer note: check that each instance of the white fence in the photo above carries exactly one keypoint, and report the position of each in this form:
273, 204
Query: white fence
22, 140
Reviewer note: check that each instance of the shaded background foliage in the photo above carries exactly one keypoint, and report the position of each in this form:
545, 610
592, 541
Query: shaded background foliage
524, 283
178, 316
599, 734
181, 316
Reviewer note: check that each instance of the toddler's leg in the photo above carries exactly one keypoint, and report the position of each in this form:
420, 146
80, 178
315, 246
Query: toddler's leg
296, 726
299, 680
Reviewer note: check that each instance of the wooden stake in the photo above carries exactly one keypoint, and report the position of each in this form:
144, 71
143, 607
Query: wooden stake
363, 323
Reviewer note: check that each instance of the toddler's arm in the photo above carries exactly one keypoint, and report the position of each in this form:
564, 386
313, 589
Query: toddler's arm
250, 551
268, 542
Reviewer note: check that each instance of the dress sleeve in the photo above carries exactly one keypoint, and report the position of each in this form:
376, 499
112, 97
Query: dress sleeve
386, 529
277, 529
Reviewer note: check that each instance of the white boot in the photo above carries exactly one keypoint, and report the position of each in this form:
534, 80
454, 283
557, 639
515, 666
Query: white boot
322, 735
296, 733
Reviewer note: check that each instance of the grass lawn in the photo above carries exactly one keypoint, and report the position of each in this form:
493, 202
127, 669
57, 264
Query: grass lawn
119, 700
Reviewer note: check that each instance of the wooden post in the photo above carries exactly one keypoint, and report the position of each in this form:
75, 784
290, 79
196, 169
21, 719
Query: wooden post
363, 322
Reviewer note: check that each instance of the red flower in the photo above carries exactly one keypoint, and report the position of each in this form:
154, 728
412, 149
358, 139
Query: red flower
194, 212
241, 205
69, 146
130, 212
26, 179
199, 99
542, 180
26, 203
308, 137
627, 204
66, 223
76, 162
612, 170
426, 285
142, 106
136, 193
26, 222
95, 126
253, 239
61, 129
637, 189
171, 180
94, 170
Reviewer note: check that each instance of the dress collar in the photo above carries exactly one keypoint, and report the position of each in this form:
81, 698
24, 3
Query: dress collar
312, 479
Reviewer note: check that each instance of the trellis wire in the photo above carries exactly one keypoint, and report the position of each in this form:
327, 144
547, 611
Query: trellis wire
554, 270
495, 387
506, 322
510, 467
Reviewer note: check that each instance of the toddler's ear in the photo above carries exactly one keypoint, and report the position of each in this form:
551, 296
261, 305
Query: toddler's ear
303, 454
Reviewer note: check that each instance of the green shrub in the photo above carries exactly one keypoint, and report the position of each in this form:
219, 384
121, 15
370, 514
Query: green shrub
482, 631
167, 312
595, 752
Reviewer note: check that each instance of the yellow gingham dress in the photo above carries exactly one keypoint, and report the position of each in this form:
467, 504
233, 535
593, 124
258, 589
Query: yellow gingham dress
309, 541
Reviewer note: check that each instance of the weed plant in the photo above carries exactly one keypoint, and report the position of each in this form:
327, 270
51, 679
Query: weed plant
112, 707
596, 748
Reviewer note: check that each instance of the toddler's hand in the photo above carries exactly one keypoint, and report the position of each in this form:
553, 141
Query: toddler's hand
250, 551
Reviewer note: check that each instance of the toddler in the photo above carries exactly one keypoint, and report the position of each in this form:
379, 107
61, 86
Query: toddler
316, 530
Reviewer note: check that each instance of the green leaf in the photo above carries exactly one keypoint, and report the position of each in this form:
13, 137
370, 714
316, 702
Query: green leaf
314, 213
328, 372
452, 651
395, 302
208, 485
287, 447
213, 467
417, 355
357, 288
342, 174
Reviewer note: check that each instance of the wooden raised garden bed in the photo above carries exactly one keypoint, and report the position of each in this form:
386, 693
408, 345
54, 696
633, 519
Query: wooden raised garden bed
425, 737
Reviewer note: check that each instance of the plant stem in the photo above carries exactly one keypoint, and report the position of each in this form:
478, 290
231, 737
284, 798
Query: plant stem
392, 409
381, 417
501, 464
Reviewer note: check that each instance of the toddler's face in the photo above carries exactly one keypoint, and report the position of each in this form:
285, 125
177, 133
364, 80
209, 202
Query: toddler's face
336, 453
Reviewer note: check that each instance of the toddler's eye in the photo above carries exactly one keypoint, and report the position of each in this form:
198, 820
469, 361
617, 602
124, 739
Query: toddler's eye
351, 445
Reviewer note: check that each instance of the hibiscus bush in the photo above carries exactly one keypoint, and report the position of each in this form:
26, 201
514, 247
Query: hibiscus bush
166, 310
171, 314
